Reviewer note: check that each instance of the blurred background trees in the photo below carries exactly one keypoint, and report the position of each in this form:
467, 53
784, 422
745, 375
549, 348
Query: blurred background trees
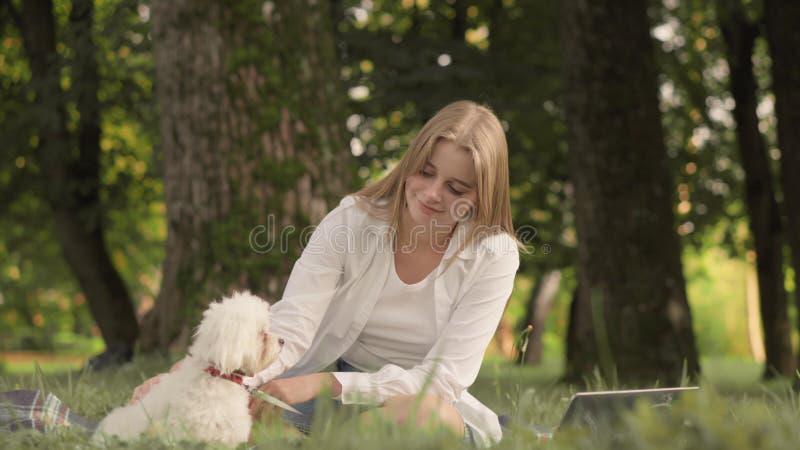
739, 33
55, 122
269, 107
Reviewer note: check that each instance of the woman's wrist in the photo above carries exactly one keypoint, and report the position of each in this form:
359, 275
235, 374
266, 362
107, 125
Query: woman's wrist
177, 364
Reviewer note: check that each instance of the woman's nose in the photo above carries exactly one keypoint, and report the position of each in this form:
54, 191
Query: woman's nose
434, 192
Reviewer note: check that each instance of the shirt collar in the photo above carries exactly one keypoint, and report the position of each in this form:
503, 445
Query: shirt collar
457, 240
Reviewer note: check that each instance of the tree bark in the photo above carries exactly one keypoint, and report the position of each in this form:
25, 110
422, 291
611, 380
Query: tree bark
765, 221
575, 346
631, 315
782, 18
252, 136
72, 176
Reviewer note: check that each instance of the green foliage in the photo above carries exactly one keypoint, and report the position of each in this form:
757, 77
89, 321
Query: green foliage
284, 174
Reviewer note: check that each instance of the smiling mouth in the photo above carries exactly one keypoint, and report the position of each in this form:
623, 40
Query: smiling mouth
428, 208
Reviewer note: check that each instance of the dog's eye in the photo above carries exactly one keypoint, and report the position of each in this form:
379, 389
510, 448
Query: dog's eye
280, 341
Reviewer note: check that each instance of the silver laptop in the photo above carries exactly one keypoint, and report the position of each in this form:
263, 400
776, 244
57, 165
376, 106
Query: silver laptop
601, 410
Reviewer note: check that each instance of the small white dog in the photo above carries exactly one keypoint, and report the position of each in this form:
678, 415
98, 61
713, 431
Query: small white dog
203, 398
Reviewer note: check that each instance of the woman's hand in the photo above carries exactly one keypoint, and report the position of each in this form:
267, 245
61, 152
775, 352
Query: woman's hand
142, 390
296, 390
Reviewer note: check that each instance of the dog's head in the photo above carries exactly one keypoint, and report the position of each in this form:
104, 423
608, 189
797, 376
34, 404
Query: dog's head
234, 335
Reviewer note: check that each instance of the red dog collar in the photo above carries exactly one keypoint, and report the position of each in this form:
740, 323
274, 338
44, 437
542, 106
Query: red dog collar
236, 376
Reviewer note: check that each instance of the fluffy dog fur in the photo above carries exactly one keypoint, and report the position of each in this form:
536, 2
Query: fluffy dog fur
190, 402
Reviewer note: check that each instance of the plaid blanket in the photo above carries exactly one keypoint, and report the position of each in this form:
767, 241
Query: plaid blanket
37, 410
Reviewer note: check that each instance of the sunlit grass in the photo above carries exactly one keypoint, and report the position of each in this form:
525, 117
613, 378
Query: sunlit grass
20, 363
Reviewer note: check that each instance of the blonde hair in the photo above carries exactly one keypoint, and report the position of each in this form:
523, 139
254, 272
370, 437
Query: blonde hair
472, 127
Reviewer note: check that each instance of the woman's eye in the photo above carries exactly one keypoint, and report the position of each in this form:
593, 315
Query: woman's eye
456, 192
427, 174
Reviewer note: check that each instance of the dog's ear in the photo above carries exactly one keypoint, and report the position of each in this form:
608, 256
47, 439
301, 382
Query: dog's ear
231, 333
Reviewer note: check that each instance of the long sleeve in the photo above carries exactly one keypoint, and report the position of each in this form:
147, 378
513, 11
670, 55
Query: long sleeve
455, 359
311, 287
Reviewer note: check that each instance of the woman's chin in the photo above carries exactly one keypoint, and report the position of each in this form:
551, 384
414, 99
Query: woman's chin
423, 218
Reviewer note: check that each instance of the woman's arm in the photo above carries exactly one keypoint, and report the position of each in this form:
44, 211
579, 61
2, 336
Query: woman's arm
303, 388
142, 390
310, 289
454, 361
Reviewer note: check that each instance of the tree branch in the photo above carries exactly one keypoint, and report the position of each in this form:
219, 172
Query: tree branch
16, 18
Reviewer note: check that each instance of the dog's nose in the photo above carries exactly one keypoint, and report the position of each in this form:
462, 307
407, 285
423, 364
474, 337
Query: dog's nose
280, 341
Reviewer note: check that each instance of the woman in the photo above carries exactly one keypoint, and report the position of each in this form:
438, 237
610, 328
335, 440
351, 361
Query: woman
405, 283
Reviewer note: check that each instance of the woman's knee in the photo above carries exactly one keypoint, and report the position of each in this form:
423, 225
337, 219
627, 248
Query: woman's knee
425, 411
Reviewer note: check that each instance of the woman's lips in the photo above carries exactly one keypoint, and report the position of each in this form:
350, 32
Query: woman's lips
428, 209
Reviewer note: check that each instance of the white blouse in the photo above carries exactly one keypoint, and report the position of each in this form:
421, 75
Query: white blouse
334, 287
401, 328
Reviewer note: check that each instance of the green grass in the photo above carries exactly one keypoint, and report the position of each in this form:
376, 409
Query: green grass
732, 411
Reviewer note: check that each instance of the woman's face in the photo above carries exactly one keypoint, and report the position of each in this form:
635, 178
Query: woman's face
444, 191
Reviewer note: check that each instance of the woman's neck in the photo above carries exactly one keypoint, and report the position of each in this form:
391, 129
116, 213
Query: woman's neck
411, 238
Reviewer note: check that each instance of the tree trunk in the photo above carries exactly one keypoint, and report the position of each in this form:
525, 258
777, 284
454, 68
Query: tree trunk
765, 222
782, 18
73, 177
631, 315
253, 142
459, 23
754, 334
539, 305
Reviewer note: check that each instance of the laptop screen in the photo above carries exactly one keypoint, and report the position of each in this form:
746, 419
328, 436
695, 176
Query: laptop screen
597, 410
